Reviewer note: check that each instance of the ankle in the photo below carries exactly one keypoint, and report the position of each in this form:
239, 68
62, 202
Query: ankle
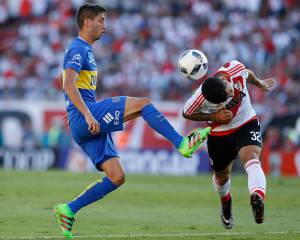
226, 198
260, 193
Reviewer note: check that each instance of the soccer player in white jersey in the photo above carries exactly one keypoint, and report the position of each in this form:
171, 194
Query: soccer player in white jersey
223, 101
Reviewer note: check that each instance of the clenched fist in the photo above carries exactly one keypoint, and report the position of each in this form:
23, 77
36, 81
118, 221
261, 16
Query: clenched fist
223, 116
93, 124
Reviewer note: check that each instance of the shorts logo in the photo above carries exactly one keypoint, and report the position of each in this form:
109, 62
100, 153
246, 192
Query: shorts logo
108, 118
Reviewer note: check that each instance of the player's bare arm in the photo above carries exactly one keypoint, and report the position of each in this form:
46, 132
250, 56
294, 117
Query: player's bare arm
223, 116
71, 90
263, 84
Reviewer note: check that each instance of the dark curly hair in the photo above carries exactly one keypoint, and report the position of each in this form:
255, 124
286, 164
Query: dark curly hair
214, 90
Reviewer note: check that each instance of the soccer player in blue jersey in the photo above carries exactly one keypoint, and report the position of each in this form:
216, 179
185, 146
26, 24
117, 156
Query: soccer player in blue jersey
92, 122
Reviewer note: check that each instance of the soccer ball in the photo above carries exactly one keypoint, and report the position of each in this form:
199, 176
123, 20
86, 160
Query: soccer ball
193, 64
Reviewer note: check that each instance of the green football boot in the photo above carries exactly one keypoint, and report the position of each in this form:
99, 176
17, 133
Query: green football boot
192, 142
65, 218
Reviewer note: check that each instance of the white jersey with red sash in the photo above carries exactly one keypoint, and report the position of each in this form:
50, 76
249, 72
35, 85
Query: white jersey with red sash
240, 105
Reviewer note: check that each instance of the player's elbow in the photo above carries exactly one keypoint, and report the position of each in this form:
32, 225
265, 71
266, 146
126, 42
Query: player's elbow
66, 86
251, 75
185, 115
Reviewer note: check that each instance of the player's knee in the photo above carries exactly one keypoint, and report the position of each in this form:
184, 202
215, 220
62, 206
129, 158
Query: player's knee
248, 153
144, 102
221, 179
118, 178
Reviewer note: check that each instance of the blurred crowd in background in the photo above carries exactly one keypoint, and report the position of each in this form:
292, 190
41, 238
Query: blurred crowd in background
144, 39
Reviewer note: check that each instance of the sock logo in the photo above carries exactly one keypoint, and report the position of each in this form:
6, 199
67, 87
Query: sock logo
108, 118
160, 117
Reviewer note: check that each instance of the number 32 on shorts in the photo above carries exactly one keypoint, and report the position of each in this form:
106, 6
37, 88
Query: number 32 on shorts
255, 136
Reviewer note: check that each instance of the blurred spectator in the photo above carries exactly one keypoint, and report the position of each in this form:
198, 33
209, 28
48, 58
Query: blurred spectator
1, 139
29, 140
139, 52
59, 141
12, 133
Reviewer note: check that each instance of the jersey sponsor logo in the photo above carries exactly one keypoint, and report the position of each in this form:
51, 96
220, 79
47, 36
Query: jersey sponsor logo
93, 81
236, 100
117, 118
108, 118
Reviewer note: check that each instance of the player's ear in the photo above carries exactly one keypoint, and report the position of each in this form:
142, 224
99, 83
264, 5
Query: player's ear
87, 22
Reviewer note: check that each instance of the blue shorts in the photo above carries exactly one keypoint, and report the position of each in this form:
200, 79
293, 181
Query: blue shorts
110, 114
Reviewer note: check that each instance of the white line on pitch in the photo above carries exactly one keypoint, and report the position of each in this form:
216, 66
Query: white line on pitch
156, 235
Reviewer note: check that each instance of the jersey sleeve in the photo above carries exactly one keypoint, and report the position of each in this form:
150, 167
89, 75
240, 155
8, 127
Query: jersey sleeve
75, 59
193, 105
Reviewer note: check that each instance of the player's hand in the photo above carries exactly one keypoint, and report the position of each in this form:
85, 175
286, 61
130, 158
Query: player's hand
223, 116
93, 124
266, 84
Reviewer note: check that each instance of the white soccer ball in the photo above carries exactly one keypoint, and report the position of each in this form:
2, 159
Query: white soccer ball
193, 64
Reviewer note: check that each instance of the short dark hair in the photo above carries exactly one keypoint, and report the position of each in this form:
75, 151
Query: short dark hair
89, 11
214, 90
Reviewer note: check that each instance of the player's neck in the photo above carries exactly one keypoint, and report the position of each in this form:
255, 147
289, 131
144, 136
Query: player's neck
86, 38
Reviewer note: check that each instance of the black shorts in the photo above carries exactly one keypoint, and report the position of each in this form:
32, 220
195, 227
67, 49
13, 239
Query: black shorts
224, 149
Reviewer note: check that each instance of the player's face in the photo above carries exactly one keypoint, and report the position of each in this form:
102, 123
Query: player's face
98, 26
229, 89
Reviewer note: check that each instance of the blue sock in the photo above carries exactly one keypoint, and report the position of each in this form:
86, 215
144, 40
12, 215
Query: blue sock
93, 193
160, 124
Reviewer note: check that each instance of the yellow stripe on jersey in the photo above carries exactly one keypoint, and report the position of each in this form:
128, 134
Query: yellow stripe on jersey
86, 80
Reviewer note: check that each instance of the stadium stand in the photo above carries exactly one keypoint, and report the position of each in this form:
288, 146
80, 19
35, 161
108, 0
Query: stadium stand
139, 52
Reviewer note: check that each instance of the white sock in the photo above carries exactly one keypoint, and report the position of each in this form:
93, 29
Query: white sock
222, 190
256, 177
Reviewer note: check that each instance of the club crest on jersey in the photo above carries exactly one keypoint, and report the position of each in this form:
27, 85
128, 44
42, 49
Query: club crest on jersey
226, 65
238, 86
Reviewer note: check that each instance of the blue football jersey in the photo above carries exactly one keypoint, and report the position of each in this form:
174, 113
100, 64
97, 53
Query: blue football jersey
79, 56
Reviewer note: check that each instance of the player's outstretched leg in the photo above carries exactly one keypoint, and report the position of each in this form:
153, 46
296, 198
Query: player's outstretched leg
157, 121
192, 142
65, 218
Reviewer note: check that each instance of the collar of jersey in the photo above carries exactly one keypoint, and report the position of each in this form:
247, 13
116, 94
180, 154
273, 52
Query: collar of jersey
82, 40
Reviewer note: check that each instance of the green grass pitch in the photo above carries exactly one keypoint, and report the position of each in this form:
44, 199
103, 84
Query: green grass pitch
146, 207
